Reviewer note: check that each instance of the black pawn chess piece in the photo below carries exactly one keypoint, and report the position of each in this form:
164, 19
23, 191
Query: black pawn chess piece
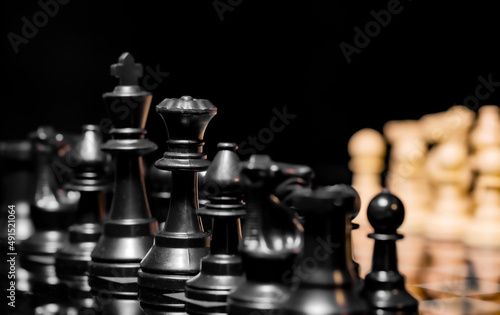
90, 179
221, 271
128, 229
325, 270
270, 243
384, 286
52, 213
181, 244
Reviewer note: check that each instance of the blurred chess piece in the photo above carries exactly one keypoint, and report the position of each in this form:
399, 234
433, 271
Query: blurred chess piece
485, 134
483, 233
449, 172
90, 179
406, 179
52, 213
367, 149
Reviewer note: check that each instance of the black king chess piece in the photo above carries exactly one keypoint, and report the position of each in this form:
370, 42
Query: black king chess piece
325, 269
270, 243
52, 213
181, 244
128, 229
222, 270
384, 286
90, 179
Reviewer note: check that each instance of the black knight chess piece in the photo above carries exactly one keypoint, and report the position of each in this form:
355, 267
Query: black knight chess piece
90, 179
270, 243
384, 286
325, 269
181, 244
222, 270
128, 229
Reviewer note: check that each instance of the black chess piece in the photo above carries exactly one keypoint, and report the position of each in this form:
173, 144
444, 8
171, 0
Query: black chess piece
270, 243
90, 179
384, 286
325, 271
128, 229
181, 244
52, 213
222, 270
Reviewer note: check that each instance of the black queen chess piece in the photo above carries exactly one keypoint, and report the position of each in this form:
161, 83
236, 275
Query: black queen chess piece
90, 178
325, 270
384, 286
128, 229
181, 244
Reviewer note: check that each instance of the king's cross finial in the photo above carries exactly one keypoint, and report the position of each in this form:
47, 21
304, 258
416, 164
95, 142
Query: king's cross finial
127, 70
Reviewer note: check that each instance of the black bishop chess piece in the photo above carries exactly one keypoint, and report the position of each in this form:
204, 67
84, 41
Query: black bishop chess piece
90, 179
325, 270
222, 270
384, 286
128, 229
52, 212
271, 241
181, 244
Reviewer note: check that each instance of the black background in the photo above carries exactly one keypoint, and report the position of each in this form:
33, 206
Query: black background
261, 55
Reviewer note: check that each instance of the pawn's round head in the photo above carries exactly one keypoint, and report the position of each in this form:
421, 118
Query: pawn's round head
386, 213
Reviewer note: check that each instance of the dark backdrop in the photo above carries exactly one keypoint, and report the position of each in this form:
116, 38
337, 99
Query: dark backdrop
248, 58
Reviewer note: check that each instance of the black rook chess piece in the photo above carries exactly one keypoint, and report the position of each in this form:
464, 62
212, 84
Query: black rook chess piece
128, 229
325, 270
384, 286
270, 243
221, 271
90, 179
181, 244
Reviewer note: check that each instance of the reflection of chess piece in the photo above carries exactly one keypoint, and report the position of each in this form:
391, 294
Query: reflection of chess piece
406, 179
367, 149
483, 233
